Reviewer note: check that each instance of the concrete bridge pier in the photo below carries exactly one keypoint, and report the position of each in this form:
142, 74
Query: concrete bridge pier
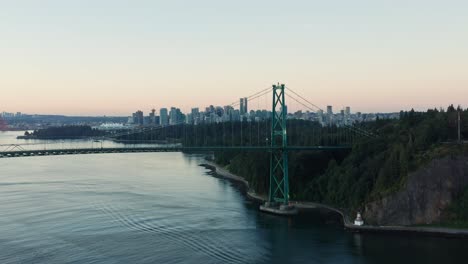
279, 209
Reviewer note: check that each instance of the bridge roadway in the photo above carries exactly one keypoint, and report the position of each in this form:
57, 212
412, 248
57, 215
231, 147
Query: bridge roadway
79, 151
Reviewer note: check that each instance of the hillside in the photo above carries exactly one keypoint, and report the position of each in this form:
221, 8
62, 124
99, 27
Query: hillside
375, 168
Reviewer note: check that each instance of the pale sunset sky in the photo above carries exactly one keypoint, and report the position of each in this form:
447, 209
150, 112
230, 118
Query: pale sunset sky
113, 57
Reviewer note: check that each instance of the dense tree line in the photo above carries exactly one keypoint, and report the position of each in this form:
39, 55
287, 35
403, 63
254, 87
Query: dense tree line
379, 166
300, 133
65, 132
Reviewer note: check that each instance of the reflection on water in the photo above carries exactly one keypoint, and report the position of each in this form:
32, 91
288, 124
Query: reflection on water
164, 208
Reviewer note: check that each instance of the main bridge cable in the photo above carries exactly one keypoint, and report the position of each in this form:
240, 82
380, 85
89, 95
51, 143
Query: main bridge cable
251, 98
355, 129
358, 131
301, 97
256, 95
144, 130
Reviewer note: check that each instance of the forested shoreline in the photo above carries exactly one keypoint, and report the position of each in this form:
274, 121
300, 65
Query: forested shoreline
374, 167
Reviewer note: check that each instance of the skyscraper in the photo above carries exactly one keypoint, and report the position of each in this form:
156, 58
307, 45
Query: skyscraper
163, 119
139, 118
246, 109
243, 106
329, 115
195, 116
348, 110
173, 116
152, 115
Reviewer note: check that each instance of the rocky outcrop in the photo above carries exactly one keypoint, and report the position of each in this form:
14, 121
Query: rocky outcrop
428, 192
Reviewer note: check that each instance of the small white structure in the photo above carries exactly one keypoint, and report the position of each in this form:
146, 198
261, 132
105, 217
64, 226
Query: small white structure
359, 221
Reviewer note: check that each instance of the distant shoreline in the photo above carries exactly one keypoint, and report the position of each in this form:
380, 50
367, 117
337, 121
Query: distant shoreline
347, 222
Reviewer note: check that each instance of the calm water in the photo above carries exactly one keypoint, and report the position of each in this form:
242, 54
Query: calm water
164, 208
7, 138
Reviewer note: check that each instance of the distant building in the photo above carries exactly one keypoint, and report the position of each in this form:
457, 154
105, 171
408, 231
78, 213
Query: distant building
243, 106
194, 116
189, 119
152, 117
163, 117
219, 111
235, 115
175, 116
348, 110
138, 118
320, 117
246, 108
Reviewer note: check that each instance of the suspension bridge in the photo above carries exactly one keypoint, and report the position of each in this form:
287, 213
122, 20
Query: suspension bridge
276, 135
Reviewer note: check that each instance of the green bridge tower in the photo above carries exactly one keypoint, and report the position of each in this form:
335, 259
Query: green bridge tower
278, 200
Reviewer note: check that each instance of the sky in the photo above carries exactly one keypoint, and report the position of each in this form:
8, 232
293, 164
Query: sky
113, 57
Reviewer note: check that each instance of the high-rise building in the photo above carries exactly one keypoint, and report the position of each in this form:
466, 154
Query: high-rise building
219, 111
320, 117
329, 116
138, 118
228, 113
189, 119
243, 108
152, 117
246, 109
348, 110
195, 113
195, 116
163, 117
173, 116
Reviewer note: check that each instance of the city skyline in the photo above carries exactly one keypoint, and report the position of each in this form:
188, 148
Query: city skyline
111, 57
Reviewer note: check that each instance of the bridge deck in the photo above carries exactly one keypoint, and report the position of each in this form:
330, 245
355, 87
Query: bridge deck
78, 151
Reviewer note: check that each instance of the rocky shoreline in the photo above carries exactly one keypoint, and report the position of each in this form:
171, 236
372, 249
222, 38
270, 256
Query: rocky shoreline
347, 222
227, 175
